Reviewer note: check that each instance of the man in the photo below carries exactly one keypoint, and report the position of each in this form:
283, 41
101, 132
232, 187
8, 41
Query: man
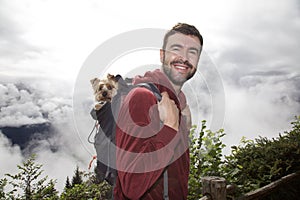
151, 136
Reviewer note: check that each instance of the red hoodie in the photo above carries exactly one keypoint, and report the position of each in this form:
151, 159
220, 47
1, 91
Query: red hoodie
146, 147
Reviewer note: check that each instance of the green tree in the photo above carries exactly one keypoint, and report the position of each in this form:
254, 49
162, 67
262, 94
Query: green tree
68, 184
256, 163
205, 157
3, 183
88, 189
251, 165
28, 183
77, 178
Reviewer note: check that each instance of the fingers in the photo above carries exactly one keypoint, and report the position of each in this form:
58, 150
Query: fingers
169, 112
166, 99
164, 96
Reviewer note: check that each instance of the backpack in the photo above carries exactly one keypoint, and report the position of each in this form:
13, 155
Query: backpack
104, 139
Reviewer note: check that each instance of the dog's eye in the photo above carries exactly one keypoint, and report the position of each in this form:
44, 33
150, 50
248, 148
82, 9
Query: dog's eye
100, 87
109, 87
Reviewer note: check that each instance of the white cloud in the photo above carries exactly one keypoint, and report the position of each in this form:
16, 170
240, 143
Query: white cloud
261, 36
34, 102
10, 155
263, 105
23, 104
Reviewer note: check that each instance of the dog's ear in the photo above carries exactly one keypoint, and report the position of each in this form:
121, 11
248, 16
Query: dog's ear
95, 82
111, 77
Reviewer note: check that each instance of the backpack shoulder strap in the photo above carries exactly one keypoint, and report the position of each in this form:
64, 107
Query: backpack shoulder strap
158, 96
153, 88
166, 187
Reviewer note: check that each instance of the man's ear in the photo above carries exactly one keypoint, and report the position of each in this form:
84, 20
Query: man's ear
162, 55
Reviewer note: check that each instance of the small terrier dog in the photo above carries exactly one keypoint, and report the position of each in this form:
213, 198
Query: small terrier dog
104, 90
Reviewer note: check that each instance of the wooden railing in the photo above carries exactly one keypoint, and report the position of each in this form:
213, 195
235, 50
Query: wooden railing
261, 192
215, 188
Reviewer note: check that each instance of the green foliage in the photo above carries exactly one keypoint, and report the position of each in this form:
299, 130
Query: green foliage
251, 165
3, 193
84, 191
195, 165
205, 157
88, 188
28, 184
254, 164
77, 179
3, 183
68, 184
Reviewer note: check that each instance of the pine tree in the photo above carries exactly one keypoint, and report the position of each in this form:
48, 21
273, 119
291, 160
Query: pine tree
28, 184
68, 184
77, 179
3, 183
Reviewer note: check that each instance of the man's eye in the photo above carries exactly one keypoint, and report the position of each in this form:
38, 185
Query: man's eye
193, 52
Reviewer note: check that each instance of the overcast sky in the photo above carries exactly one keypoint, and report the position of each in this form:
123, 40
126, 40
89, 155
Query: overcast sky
248, 78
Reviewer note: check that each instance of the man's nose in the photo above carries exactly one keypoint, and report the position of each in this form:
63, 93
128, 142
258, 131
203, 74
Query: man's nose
183, 55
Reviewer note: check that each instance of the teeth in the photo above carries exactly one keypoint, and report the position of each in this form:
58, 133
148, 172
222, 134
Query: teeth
180, 67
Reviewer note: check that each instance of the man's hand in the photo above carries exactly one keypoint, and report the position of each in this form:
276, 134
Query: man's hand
186, 113
168, 111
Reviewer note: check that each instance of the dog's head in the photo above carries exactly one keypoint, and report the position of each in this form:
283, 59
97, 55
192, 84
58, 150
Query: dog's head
104, 89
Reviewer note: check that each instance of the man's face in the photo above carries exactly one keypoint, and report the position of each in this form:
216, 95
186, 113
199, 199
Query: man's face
180, 58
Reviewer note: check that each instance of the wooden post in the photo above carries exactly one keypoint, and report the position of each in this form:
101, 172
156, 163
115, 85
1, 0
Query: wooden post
214, 187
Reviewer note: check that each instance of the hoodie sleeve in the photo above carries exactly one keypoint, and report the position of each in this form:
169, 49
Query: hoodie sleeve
145, 146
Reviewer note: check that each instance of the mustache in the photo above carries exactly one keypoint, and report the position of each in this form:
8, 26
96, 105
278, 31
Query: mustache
180, 61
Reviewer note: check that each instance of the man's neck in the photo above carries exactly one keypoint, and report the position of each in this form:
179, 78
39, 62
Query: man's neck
177, 88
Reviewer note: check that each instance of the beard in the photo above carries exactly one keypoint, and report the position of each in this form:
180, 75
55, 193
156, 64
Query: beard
174, 76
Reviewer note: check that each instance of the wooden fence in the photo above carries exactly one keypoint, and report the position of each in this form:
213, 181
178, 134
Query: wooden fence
215, 188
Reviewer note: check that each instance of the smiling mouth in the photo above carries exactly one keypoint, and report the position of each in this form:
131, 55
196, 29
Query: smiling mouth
182, 66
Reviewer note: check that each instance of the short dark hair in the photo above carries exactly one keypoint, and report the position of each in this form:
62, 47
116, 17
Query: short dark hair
184, 29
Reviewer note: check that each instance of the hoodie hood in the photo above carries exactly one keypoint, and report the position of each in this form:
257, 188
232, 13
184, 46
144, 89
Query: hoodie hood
163, 84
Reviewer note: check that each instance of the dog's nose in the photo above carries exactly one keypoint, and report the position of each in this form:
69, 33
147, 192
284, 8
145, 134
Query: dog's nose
104, 94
